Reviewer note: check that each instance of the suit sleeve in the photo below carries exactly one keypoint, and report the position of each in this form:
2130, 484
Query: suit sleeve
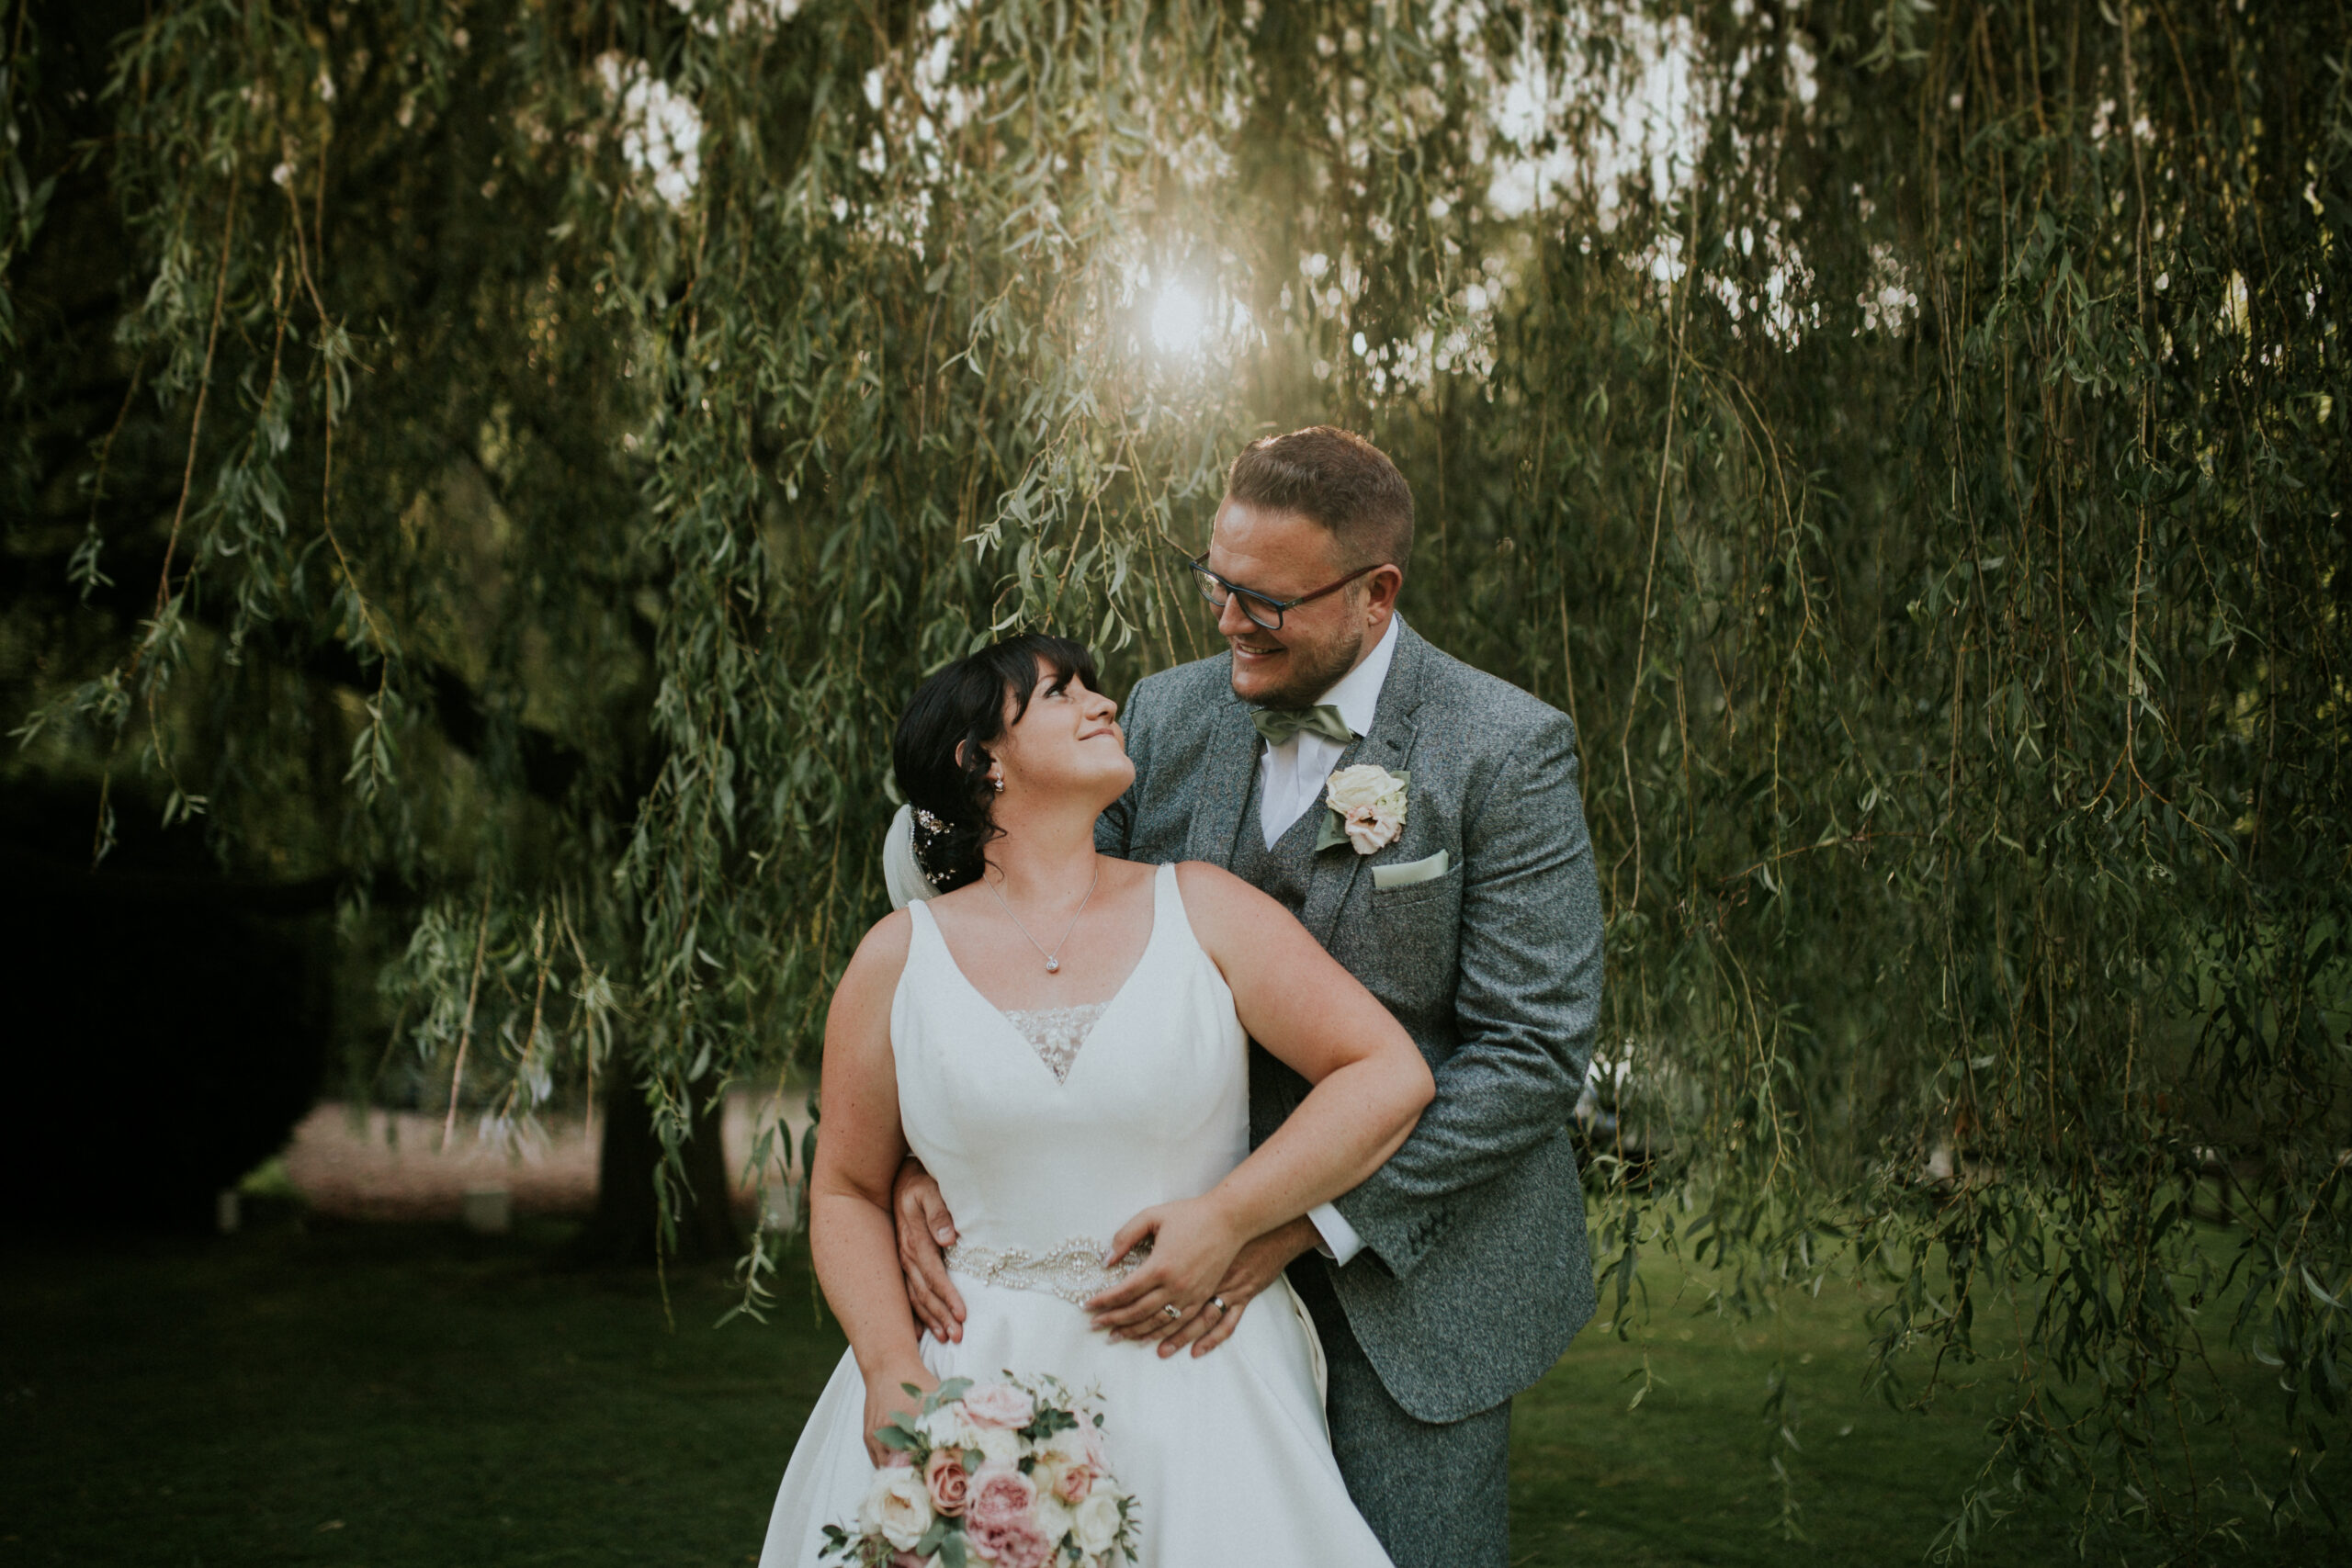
1528, 1001
1115, 829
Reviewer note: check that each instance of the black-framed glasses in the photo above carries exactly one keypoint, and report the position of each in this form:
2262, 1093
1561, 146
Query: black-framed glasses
1264, 609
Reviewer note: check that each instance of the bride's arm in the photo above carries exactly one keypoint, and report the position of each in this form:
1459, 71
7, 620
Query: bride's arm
1370, 1086
859, 1146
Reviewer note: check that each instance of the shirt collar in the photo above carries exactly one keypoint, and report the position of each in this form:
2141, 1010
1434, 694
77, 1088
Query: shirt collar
1357, 694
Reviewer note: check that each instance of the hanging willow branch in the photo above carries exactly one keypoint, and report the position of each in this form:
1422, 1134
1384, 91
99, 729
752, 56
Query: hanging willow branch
1910, 438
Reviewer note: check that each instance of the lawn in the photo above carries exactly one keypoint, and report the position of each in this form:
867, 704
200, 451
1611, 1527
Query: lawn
410, 1396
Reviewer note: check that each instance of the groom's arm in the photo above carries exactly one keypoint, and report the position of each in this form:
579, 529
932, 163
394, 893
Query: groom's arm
1528, 1001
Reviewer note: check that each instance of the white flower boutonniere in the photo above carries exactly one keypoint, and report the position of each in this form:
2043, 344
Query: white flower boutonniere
1367, 805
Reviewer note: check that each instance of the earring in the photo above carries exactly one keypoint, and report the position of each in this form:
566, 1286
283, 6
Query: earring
998, 784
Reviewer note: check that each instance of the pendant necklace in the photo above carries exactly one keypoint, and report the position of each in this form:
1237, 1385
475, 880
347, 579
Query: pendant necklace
1054, 959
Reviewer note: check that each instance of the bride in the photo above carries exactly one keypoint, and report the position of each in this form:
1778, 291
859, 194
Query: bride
1060, 1037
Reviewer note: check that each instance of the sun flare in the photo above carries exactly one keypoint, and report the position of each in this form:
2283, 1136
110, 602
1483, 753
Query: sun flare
1179, 319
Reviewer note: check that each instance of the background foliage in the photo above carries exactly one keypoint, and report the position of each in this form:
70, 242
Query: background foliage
513, 458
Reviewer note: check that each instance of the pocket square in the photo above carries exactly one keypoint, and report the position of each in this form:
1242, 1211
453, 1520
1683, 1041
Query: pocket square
1413, 871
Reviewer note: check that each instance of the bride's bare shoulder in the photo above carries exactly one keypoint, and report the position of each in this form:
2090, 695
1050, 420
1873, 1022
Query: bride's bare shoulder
881, 953
1213, 893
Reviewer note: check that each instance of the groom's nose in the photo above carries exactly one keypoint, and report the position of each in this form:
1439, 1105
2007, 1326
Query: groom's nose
1232, 622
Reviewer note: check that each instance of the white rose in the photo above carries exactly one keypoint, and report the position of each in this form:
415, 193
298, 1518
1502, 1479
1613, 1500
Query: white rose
1054, 1519
898, 1508
1063, 1448
946, 1428
1370, 803
1096, 1520
998, 1444
1365, 784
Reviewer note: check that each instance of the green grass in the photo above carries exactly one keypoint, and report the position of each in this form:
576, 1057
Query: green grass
1687, 1477
412, 1397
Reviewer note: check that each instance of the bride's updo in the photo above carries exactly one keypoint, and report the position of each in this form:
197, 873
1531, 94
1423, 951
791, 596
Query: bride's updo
963, 708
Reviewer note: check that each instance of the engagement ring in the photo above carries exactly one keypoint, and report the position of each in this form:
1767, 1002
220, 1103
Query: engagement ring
1172, 1312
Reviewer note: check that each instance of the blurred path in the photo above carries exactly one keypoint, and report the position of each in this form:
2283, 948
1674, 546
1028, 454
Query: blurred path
390, 1166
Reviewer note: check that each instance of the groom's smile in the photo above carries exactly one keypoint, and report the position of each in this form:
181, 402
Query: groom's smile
1281, 556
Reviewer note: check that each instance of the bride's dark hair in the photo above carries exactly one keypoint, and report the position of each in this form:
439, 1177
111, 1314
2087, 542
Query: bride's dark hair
962, 708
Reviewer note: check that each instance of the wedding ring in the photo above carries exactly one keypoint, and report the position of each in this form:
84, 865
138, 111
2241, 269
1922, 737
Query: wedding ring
1172, 1312
1218, 1303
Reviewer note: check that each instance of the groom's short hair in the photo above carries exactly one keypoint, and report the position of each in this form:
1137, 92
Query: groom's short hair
1333, 477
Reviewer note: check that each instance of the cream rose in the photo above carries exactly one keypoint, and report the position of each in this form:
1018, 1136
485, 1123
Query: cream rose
1096, 1522
898, 1508
1371, 802
1065, 1446
1052, 1518
998, 1444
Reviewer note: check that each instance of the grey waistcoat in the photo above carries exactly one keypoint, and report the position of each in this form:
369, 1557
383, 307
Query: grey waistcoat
1285, 871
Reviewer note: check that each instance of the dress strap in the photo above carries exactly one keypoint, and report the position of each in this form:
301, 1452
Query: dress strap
1169, 914
926, 933
924, 919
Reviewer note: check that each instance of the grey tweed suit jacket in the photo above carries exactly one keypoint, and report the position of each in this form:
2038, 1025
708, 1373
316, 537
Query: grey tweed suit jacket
1474, 1274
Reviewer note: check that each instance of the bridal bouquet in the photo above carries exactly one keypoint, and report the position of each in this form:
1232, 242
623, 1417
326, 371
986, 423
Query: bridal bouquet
1009, 1474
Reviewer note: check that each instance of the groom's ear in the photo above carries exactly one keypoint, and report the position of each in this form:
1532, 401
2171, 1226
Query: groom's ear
1383, 587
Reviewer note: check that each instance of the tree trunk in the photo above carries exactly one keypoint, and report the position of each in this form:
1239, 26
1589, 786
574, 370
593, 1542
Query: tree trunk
625, 1230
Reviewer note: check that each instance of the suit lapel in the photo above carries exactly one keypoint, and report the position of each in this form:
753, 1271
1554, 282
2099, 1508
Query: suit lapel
1390, 745
1222, 786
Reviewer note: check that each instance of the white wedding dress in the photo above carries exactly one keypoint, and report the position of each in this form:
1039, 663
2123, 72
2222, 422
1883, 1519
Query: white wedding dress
1045, 1136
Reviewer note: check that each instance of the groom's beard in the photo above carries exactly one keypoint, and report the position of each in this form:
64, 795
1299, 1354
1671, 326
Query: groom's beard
1312, 672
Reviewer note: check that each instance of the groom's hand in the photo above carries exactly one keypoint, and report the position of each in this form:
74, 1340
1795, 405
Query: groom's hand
1254, 1270
926, 1229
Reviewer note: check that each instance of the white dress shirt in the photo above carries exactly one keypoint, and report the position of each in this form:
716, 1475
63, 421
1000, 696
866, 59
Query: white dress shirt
1291, 777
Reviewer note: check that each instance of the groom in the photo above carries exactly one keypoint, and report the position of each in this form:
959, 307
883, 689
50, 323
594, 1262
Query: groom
1456, 1275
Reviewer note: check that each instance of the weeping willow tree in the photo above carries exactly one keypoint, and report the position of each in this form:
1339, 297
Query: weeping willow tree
518, 455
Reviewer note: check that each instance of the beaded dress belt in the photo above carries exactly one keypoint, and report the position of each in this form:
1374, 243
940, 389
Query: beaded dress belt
1073, 1270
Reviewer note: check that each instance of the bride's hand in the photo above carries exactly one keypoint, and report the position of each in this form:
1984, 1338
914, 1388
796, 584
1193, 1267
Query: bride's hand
1192, 1244
886, 1396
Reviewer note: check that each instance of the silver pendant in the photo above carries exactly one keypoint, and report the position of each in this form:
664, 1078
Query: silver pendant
1053, 965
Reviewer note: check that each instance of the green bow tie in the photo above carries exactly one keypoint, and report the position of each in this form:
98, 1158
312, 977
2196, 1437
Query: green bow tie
1280, 725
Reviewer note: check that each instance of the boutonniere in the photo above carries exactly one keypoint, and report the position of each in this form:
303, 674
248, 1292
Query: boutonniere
1367, 809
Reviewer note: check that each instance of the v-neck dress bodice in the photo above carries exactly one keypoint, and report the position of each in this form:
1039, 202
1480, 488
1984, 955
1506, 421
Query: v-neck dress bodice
1155, 1106
1228, 1452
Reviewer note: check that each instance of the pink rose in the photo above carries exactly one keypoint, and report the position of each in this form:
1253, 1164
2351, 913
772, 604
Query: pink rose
999, 1404
1010, 1545
950, 1486
1000, 1497
1371, 828
1075, 1482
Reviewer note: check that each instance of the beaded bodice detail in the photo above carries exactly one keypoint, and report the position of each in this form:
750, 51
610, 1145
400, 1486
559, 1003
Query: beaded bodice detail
1056, 1033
